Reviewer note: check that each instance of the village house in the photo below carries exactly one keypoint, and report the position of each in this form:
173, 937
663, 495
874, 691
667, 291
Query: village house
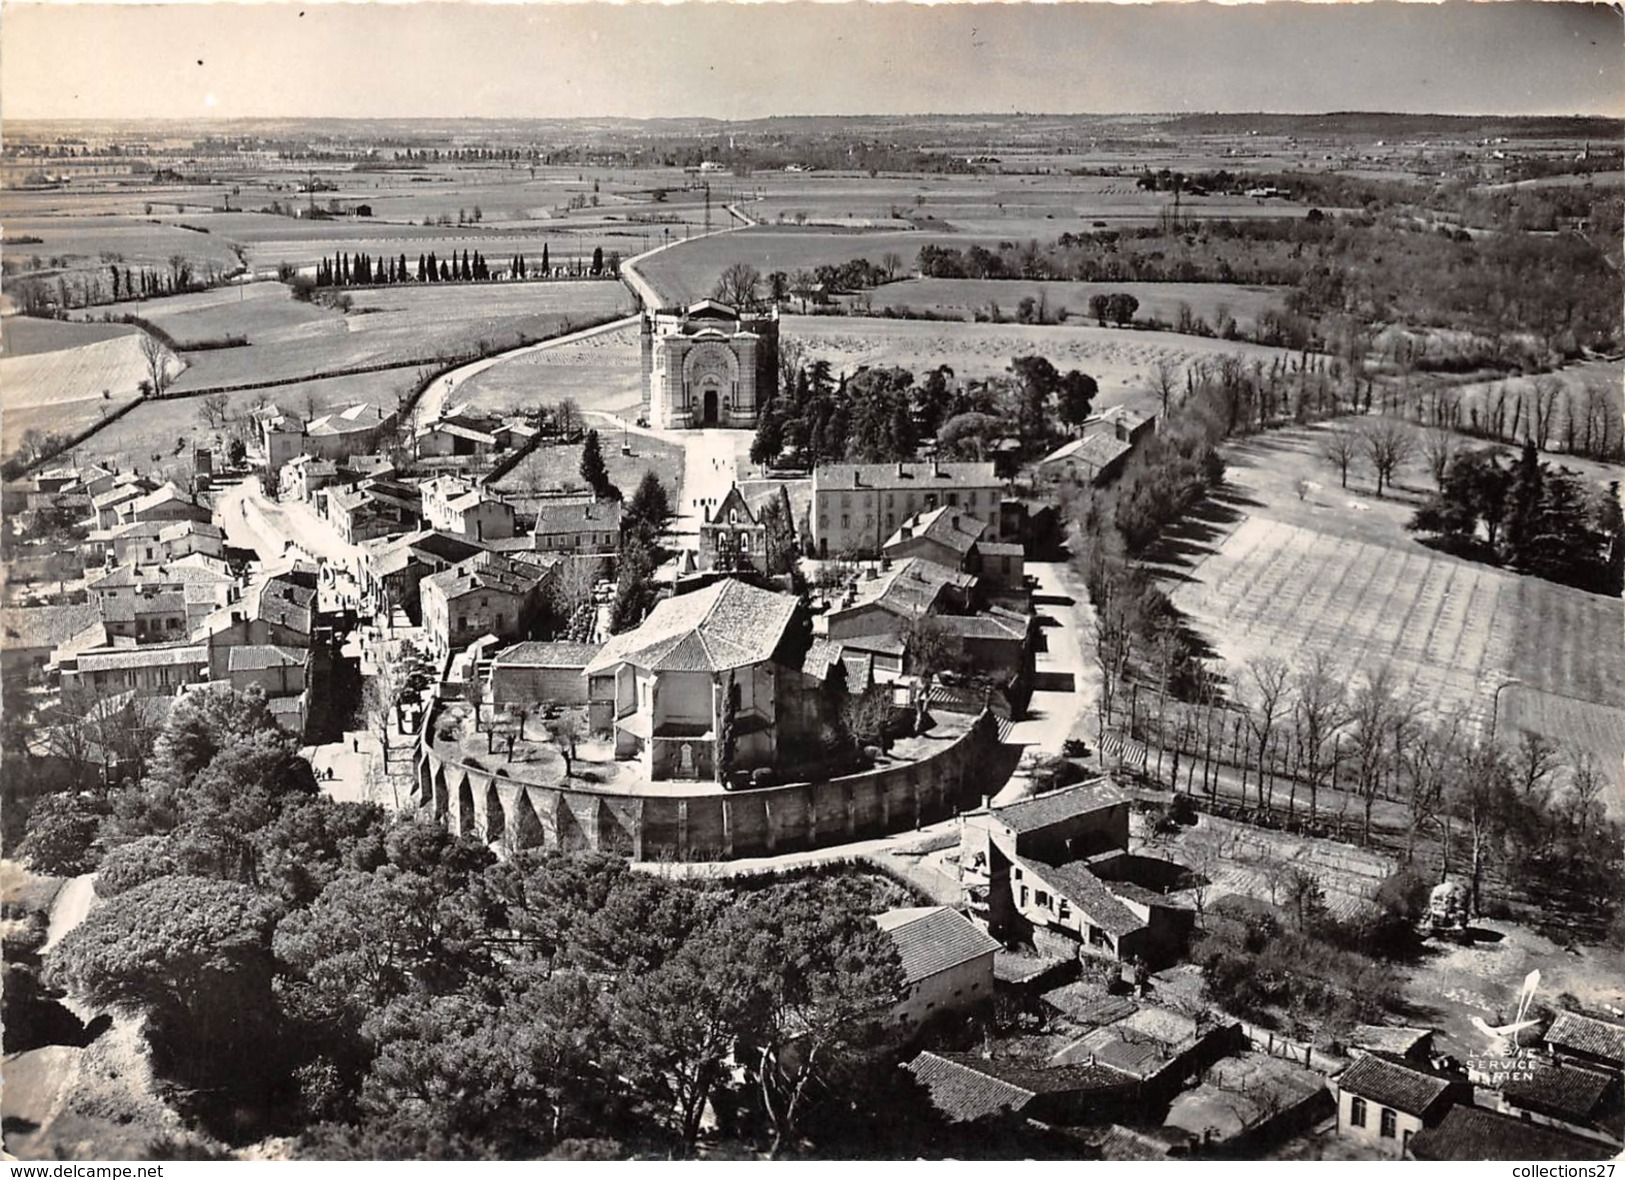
947, 963
1383, 1101
577, 525
856, 506
351, 431
884, 598
1246, 1104
943, 535
1050, 871
146, 670
488, 594
1476, 1133
465, 509
29, 634
966, 1087
106, 507
392, 569
1585, 1101
726, 656
166, 503
302, 477
278, 608
1585, 1040
459, 431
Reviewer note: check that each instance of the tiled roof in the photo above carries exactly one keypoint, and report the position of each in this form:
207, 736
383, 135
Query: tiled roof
167, 494
947, 526
23, 627
899, 476
983, 626
1389, 1082
911, 587
126, 608
577, 515
547, 655
1474, 1133
496, 572
822, 655
1127, 1145
1586, 1034
175, 530
1000, 549
1097, 450
1088, 1005
728, 624
1016, 968
966, 1087
1088, 893
1382, 1038
287, 604
258, 656
1042, 811
152, 656
933, 939
1564, 1090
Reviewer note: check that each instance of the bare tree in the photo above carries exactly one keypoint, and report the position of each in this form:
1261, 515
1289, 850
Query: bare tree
803, 285
214, 411
740, 286
157, 358
1535, 760
566, 730
1266, 698
1372, 714
1319, 713
1545, 393
1341, 448
1388, 445
571, 596
1440, 447
1430, 756
892, 263
1586, 785
1164, 381
567, 417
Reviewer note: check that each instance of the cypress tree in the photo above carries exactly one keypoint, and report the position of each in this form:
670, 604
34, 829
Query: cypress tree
422, 263
546, 269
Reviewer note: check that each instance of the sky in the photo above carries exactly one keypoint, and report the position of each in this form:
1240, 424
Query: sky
293, 58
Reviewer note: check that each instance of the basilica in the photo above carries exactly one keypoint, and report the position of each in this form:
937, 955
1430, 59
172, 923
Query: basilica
708, 365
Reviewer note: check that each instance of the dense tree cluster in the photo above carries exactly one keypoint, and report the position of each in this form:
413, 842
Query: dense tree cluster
881, 415
403, 994
1535, 518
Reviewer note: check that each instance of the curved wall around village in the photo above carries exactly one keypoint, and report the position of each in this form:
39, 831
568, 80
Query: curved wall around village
667, 824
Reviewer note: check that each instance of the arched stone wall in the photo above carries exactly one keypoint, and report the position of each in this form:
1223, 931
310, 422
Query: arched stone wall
713, 825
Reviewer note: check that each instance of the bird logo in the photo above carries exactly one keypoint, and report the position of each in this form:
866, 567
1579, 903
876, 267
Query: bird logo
1503, 1038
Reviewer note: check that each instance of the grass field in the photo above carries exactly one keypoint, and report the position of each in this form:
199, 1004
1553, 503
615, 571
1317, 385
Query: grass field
22, 335
1260, 571
552, 467
599, 373
290, 340
135, 241
967, 297
66, 389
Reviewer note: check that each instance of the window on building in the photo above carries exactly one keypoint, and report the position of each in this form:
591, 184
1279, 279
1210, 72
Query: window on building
1405, 1141
1390, 1123
1023, 895
1065, 910
1042, 898
1017, 873
1357, 1112
462, 622
744, 542
953, 499
846, 521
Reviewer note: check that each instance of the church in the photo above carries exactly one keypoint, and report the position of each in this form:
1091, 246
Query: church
708, 365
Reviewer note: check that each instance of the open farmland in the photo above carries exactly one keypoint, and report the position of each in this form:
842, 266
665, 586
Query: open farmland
1589, 391
690, 271
69, 388
1120, 359
1260, 571
22, 335
86, 243
601, 372
385, 325
969, 297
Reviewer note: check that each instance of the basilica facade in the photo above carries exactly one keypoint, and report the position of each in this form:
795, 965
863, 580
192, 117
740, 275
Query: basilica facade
707, 365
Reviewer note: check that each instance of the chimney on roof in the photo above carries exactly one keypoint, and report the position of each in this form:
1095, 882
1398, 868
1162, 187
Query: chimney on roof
936, 466
899, 469
857, 479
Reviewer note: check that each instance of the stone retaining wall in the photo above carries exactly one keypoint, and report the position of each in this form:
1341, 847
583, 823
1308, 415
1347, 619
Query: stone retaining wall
483, 801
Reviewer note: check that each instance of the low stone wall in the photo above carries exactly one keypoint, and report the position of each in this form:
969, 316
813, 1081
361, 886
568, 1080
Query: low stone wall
483, 801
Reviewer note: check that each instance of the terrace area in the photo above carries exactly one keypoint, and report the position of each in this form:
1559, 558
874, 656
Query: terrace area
528, 746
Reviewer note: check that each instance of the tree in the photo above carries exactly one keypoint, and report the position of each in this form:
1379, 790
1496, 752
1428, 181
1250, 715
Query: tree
593, 471
1120, 308
739, 286
728, 738
61, 832
193, 955
597, 260
677, 1026
1388, 445
157, 359
567, 418
214, 410
1440, 446
566, 730
649, 511
1266, 686
1319, 714
1340, 449
827, 975
1078, 392
635, 588
1373, 712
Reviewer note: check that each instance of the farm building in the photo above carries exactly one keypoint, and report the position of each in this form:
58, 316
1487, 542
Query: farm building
1383, 1101
947, 963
